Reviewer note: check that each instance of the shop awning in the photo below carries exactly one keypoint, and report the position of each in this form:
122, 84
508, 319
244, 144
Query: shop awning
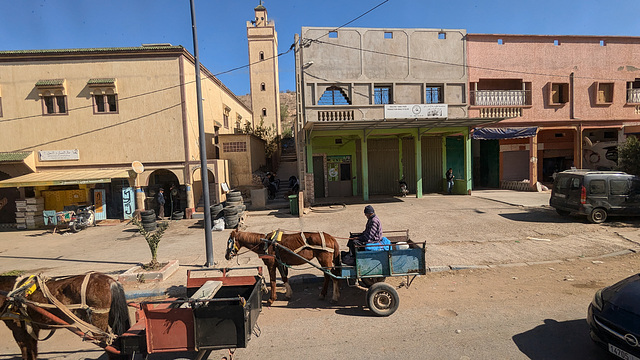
72, 177
504, 133
398, 124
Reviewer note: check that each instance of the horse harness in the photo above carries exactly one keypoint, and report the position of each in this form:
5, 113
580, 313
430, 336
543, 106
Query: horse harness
15, 308
277, 237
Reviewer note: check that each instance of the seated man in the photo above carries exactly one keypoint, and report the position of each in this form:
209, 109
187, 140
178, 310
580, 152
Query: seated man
371, 234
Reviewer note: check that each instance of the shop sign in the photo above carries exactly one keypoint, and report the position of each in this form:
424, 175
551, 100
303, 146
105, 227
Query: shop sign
57, 155
128, 202
416, 111
339, 158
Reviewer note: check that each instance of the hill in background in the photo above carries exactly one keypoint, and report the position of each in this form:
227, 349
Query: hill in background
287, 108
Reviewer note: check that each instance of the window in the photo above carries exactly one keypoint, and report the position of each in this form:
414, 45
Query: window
633, 92
235, 146
382, 95
433, 95
264, 111
388, 35
105, 103
556, 42
603, 43
604, 93
575, 183
500, 42
55, 104
558, 93
263, 87
442, 35
334, 95
619, 187
333, 34
596, 187
261, 55
225, 117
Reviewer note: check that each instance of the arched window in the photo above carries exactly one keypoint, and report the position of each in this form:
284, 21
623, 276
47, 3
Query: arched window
264, 111
263, 87
334, 95
261, 55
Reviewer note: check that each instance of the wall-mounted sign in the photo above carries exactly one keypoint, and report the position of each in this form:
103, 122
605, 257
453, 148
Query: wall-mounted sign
128, 202
339, 158
56, 155
416, 111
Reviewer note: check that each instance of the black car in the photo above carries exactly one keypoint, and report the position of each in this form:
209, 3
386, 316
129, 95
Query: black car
614, 318
596, 194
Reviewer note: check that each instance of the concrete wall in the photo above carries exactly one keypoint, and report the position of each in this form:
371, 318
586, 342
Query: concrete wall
535, 59
243, 159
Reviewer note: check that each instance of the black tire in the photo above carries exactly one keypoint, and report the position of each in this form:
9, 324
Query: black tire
597, 216
230, 210
178, 215
234, 198
148, 218
231, 225
231, 218
563, 212
382, 299
73, 226
216, 208
234, 193
233, 203
368, 282
147, 212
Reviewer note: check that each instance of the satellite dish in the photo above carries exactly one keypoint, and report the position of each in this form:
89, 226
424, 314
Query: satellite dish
587, 142
137, 167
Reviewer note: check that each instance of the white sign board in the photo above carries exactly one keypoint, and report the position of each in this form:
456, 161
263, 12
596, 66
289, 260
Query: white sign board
416, 111
54, 155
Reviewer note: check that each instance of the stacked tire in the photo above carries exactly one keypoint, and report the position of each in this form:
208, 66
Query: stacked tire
177, 215
233, 210
148, 218
216, 211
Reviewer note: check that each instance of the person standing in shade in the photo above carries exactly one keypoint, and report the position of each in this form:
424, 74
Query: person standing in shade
450, 177
161, 201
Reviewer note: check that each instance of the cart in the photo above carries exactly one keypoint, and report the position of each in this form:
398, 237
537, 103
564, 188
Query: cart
402, 258
219, 313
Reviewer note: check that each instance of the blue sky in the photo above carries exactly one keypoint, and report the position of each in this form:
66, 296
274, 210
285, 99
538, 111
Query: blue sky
61, 24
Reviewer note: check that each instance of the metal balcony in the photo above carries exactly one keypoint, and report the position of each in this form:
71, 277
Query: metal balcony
500, 97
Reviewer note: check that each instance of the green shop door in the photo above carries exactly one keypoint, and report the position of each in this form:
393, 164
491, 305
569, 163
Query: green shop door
339, 175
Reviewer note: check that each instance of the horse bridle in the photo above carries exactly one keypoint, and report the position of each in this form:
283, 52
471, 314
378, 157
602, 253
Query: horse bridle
232, 247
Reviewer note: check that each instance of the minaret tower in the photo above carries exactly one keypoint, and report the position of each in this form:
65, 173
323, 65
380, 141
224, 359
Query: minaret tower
263, 70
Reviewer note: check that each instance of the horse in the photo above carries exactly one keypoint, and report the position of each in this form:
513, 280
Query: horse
94, 298
308, 245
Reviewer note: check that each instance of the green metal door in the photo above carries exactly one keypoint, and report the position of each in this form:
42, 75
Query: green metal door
384, 166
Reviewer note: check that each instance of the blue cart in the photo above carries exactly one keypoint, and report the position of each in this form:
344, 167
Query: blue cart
402, 257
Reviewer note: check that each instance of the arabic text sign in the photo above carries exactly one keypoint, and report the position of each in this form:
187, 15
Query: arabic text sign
416, 111
53, 155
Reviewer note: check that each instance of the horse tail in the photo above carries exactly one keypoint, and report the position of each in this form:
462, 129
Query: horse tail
119, 312
336, 257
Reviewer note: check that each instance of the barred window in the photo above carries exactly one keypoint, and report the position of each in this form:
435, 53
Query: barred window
234, 146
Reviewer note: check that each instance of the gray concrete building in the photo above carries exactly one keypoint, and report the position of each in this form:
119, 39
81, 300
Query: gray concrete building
379, 105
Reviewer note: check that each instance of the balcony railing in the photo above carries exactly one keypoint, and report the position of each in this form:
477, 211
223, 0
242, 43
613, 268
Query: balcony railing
500, 97
337, 115
501, 112
633, 96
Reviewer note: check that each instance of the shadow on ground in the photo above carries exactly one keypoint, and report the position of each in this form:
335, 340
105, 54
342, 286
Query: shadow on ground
559, 340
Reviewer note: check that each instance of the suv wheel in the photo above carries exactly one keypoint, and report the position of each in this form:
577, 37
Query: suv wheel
598, 216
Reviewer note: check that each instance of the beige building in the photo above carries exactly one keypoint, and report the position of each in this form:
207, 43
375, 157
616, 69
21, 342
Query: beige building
263, 70
78, 119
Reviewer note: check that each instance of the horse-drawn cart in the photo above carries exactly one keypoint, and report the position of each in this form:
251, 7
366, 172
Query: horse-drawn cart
220, 313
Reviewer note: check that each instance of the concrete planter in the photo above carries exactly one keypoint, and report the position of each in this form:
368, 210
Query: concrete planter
137, 274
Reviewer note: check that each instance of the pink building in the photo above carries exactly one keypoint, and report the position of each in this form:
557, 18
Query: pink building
567, 100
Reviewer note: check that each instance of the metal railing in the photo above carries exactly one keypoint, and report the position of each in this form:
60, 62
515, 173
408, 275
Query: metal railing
500, 97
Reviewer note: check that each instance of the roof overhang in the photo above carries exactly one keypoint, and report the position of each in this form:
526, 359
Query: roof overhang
399, 124
72, 177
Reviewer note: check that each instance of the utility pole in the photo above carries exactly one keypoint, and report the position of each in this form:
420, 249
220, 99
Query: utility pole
204, 172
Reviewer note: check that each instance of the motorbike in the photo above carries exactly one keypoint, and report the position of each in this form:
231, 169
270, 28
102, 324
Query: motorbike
403, 188
83, 217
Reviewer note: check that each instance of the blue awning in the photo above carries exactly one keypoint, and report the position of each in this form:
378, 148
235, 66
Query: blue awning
504, 133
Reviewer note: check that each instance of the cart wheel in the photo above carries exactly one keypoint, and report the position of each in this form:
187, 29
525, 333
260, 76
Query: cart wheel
368, 282
382, 299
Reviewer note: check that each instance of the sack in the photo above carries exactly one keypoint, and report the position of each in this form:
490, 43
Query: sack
218, 224
382, 245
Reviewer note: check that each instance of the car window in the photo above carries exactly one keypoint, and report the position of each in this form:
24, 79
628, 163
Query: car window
575, 183
597, 187
562, 183
619, 187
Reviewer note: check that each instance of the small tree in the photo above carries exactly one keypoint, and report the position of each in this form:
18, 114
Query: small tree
153, 240
266, 133
629, 156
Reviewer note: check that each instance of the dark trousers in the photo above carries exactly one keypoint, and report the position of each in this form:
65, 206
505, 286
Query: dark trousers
161, 210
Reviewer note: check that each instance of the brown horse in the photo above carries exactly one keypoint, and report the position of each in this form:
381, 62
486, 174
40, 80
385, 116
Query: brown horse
102, 305
308, 245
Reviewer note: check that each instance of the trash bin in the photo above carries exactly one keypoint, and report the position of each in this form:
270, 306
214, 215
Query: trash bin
293, 204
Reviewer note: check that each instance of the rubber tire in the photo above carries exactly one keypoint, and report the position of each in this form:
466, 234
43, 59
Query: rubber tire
230, 210
233, 203
382, 299
368, 282
563, 212
597, 216
147, 212
73, 226
234, 197
148, 218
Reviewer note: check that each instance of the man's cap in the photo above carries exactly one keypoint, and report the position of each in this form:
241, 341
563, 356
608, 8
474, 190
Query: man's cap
161, 189
369, 209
